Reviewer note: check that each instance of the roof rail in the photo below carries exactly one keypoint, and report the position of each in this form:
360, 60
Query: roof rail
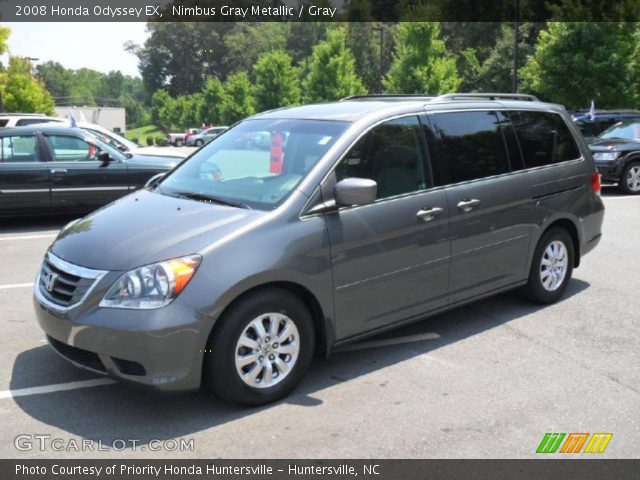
489, 96
382, 96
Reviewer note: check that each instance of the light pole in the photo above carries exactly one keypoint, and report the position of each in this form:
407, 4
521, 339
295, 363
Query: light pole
381, 31
516, 28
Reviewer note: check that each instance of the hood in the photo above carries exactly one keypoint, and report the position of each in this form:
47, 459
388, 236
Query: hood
147, 227
153, 160
614, 144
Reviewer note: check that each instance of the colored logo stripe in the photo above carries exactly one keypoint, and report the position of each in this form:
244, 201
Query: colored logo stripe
550, 443
598, 442
574, 443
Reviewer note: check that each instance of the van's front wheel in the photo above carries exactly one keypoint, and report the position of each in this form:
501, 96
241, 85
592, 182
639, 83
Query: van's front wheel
261, 348
551, 268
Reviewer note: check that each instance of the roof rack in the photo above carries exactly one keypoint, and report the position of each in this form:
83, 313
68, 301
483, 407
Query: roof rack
382, 96
489, 96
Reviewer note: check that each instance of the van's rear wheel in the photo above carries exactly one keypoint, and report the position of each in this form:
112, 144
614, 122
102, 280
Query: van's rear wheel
261, 348
551, 268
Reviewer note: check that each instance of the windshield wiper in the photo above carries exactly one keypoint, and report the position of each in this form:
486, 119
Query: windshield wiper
203, 197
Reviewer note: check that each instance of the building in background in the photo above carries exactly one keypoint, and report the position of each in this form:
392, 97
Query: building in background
111, 118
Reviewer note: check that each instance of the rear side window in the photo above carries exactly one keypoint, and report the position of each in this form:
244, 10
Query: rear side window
469, 146
3, 122
544, 138
19, 148
72, 149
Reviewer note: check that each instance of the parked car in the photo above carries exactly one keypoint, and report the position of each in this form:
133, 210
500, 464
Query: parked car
231, 273
204, 136
178, 139
603, 119
8, 120
55, 169
617, 155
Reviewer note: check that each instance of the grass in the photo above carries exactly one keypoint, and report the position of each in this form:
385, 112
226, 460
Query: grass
141, 134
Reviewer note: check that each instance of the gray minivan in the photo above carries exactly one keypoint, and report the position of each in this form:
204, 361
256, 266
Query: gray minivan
242, 263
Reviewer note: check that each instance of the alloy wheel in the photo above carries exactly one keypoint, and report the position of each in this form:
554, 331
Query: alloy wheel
633, 178
553, 266
267, 350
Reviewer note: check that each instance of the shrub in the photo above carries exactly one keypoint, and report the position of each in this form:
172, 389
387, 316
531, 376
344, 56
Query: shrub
149, 141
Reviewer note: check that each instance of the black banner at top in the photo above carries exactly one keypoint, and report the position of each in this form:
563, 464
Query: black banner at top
318, 10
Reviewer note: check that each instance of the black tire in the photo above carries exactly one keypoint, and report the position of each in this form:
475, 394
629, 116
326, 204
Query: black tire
220, 374
622, 184
199, 143
534, 290
179, 143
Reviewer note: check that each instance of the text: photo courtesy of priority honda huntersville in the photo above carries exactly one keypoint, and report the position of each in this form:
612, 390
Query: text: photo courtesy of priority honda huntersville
304, 228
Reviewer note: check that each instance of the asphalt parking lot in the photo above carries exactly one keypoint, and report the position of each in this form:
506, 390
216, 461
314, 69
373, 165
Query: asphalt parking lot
484, 381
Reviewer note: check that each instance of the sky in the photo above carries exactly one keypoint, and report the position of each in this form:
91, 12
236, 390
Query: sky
98, 46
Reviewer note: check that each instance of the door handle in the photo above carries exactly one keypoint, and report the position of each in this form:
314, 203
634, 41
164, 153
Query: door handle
428, 213
59, 171
467, 205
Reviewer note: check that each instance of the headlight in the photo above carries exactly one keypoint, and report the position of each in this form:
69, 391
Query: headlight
152, 286
607, 156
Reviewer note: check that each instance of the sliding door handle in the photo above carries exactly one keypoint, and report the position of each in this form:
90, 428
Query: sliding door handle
466, 205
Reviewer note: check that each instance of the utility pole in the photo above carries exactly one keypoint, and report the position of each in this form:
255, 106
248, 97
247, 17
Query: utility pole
516, 28
381, 31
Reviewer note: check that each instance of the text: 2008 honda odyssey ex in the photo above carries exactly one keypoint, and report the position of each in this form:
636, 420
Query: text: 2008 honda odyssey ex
357, 216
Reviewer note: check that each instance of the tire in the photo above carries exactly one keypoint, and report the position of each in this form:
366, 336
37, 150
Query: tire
554, 285
179, 143
199, 143
630, 179
225, 354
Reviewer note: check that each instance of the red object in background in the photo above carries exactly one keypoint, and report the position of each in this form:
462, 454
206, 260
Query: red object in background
277, 154
92, 151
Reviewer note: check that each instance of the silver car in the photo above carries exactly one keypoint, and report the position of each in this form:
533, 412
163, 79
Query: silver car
241, 264
205, 136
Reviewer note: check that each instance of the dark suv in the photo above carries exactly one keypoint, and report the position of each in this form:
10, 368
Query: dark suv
592, 126
242, 263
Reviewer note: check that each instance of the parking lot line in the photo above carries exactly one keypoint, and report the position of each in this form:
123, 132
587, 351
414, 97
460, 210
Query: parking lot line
389, 341
28, 237
60, 387
16, 285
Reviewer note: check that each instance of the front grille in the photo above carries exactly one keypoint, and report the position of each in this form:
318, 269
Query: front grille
78, 355
63, 284
129, 367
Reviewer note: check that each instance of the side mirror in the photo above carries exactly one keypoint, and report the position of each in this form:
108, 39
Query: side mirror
153, 181
355, 191
104, 157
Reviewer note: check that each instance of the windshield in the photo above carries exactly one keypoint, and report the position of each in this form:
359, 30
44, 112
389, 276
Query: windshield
629, 130
257, 163
113, 139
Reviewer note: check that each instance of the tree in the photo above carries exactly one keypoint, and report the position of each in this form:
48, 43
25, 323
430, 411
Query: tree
21, 92
213, 97
332, 72
238, 100
276, 81
248, 41
56, 78
161, 105
576, 62
421, 62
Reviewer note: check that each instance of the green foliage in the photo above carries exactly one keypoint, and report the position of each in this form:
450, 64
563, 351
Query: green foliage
238, 100
161, 106
21, 91
4, 38
421, 63
149, 141
276, 81
332, 72
213, 96
248, 41
576, 62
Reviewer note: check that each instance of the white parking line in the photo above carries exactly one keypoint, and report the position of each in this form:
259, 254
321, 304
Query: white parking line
389, 341
60, 387
16, 285
28, 237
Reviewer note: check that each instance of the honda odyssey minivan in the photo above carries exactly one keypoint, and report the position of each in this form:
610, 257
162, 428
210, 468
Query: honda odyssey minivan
242, 263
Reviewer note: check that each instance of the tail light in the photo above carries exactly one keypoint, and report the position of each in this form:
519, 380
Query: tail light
595, 182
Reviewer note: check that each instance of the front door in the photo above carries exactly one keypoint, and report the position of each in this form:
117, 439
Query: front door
390, 259
79, 181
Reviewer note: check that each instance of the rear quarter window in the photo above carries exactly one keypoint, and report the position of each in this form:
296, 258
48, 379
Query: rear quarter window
544, 138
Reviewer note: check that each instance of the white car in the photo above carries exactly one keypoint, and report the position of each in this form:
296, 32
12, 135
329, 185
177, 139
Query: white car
22, 119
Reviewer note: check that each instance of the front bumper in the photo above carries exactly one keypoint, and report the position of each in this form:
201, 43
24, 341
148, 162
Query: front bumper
610, 171
161, 349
